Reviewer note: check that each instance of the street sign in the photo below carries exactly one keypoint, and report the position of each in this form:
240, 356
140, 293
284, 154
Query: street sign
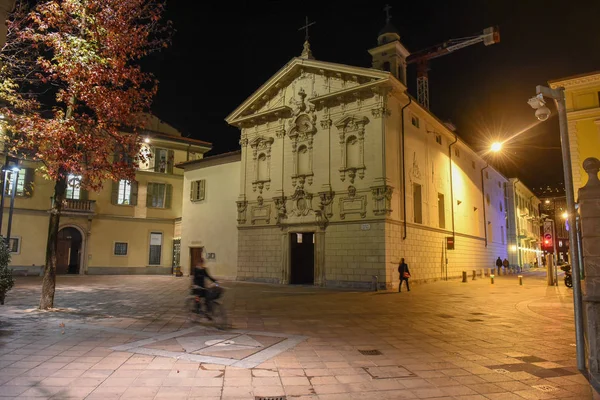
449, 242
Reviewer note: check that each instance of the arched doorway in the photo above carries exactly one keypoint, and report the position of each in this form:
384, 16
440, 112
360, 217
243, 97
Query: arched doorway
68, 256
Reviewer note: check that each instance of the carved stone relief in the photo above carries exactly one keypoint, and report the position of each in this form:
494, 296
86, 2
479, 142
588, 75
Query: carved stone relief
350, 129
280, 208
241, 211
326, 205
260, 212
382, 197
416, 171
261, 147
301, 203
353, 204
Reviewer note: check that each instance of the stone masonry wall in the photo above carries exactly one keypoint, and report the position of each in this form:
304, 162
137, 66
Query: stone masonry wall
424, 252
260, 255
353, 255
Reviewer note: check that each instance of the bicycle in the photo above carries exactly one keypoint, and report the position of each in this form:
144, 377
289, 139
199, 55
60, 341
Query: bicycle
213, 294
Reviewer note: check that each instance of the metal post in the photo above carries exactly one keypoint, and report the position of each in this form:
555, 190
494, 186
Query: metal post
13, 189
2, 199
555, 270
559, 96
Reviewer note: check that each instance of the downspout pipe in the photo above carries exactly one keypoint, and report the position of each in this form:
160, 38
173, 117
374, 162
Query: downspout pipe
516, 215
451, 183
483, 198
404, 170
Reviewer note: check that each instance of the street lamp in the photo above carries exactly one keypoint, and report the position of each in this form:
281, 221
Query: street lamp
542, 113
496, 147
11, 167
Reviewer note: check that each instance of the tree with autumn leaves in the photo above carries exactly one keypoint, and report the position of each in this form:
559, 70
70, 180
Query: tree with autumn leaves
74, 95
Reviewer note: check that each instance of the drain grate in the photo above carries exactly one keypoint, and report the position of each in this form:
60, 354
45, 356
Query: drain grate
545, 388
370, 352
270, 398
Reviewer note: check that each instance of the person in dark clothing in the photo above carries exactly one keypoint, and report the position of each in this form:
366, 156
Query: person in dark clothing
499, 264
200, 276
404, 274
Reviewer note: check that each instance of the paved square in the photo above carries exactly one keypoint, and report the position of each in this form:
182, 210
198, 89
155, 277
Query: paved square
126, 337
238, 348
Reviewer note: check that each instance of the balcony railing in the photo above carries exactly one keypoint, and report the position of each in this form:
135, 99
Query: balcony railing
78, 206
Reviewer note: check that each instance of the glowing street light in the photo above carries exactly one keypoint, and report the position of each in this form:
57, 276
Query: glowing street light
565, 215
496, 147
147, 140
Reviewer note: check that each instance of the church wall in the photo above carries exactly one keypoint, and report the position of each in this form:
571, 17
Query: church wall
354, 252
260, 254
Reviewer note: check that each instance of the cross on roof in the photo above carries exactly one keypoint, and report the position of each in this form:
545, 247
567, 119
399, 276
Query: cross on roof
306, 28
387, 9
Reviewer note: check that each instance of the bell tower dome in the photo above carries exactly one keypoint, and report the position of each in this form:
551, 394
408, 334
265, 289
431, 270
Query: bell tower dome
390, 55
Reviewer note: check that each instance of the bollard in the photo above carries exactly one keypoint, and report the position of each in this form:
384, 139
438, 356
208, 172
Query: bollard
481, 271
492, 278
464, 276
474, 273
374, 282
521, 280
491, 272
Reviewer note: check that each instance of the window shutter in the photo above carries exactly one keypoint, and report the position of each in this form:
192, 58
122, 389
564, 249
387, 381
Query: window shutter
149, 191
170, 161
134, 193
155, 160
202, 194
168, 195
114, 194
29, 178
193, 186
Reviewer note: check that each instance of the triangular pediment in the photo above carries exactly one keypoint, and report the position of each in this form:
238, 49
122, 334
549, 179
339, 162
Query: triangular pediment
274, 100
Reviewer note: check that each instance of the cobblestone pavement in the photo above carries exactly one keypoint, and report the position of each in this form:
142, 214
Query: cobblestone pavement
125, 337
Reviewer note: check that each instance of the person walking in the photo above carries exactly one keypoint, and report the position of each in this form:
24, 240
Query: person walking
499, 264
404, 275
505, 264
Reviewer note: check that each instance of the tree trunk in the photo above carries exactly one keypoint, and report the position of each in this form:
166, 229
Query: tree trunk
49, 282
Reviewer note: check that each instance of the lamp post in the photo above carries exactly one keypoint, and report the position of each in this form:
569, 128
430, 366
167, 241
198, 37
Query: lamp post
542, 113
11, 167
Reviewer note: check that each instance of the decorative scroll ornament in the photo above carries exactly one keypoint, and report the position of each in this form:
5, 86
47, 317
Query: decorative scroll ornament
302, 203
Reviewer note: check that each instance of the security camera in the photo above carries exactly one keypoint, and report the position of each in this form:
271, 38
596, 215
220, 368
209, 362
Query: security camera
542, 113
539, 105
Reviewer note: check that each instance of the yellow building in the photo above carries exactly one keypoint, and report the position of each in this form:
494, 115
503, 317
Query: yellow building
126, 228
583, 113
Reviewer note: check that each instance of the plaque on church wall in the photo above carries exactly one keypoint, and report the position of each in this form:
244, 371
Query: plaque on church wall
365, 227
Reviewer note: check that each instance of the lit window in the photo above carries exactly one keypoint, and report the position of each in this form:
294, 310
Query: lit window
20, 183
197, 192
120, 249
124, 195
73, 187
157, 195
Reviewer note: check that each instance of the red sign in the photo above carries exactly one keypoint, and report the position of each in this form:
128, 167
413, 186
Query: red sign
449, 243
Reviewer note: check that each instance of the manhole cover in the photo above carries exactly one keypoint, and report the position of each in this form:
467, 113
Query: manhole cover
501, 371
544, 388
475, 320
370, 352
270, 398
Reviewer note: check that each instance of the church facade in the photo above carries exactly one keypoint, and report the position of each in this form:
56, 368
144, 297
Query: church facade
342, 173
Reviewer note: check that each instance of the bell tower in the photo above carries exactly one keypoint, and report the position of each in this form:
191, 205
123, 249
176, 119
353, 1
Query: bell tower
390, 55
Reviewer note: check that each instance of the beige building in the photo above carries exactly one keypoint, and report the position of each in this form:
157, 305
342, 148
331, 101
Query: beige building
209, 229
524, 225
342, 173
583, 115
127, 228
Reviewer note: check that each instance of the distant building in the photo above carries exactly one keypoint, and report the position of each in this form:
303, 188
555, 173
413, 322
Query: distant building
554, 208
127, 228
524, 225
583, 114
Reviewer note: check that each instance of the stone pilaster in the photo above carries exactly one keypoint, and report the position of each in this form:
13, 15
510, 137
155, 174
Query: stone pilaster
589, 208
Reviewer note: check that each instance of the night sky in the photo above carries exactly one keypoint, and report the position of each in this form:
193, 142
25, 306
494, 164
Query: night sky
222, 52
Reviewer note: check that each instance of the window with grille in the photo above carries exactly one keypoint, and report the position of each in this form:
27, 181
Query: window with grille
73, 187
438, 138
417, 204
456, 152
198, 190
14, 245
155, 248
415, 121
120, 249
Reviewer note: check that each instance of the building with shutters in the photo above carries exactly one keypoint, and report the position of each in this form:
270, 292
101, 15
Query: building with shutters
127, 228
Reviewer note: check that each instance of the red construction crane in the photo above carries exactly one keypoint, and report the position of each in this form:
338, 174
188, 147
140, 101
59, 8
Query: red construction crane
421, 58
